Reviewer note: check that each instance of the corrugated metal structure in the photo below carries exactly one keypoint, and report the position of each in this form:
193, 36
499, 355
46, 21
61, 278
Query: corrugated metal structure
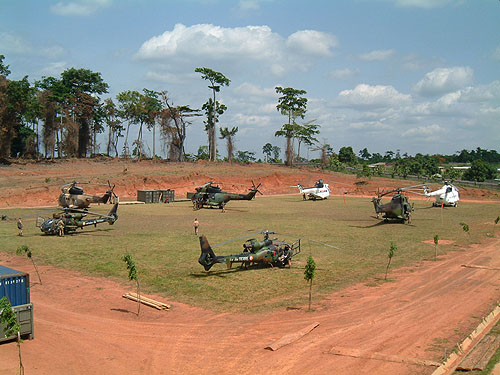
145, 196
155, 196
25, 319
15, 285
167, 194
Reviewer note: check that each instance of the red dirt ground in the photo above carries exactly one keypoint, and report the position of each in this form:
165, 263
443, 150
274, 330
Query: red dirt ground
83, 325
38, 184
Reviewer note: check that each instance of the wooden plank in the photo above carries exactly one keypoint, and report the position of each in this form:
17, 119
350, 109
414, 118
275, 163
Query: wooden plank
147, 301
288, 339
479, 357
355, 353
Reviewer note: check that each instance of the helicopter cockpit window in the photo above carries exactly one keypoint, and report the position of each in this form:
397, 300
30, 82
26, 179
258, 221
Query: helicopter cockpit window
76, 190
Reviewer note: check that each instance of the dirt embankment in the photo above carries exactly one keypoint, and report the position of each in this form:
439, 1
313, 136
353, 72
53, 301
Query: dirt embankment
27, 184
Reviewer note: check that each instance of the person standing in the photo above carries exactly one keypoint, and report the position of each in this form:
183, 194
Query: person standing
196, 225
60, 227
20, 226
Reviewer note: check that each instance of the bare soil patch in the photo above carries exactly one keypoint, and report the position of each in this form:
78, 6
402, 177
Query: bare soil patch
29, 184
83, 325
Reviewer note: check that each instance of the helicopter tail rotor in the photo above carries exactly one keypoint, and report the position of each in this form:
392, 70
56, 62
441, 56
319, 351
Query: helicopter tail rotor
207, 258
256, 188
112, 215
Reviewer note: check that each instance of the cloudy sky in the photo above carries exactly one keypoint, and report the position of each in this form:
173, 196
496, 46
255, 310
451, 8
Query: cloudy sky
414, 75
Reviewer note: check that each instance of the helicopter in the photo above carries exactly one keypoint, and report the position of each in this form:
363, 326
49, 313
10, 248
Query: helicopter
72, 196
269, 251
211, 195
446, 196
320, 190
74, 219
398, 208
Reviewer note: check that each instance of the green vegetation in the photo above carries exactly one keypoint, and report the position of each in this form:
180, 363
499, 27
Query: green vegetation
132, 276
25, 249
160, 238
436, 242
11, 327
309, 275
392, 249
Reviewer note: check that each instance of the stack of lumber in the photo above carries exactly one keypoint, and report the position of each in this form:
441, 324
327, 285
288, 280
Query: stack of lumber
147, 301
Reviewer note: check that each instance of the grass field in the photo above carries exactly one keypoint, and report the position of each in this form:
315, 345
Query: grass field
161, 241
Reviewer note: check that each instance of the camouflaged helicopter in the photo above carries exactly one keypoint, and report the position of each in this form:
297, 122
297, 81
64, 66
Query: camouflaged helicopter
73, 219
72, 196
398, 208
211, 195
269, 251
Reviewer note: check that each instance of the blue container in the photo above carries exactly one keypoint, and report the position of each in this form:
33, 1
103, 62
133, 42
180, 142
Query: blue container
15, 285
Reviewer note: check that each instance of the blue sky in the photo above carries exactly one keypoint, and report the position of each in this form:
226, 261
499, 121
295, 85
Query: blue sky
414, 75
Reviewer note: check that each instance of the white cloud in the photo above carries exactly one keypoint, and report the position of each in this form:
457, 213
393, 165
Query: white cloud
246, 5
255, 50
444, 80
79, 8
424, 130
54, 69
364, 95
214, 42
17, 45
496, 54
426, 4
346, 73
312, 43
378, 55
247, 89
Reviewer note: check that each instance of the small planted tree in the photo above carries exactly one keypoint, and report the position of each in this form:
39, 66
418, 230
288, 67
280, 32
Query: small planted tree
465, 228
309, 275
25, 249
11, 327
497, 220
132, 275
436, 241
392, 249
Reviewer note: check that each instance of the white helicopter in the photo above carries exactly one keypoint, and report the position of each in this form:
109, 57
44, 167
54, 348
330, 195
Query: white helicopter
320, 190
446, 196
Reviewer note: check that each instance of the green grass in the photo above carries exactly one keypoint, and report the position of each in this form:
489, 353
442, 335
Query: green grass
161, 241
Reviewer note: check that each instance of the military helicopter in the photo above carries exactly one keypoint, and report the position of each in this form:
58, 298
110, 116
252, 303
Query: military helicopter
398, 208
74, 219
320, 190
211, 195
268, 251
446, 196
72, 196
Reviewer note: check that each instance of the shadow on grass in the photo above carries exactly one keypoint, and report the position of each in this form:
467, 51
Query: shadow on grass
382, 222
224, 272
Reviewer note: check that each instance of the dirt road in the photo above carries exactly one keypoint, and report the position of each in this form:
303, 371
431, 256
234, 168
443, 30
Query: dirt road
83, 325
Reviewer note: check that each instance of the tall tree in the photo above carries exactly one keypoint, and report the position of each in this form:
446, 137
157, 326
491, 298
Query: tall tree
210, 126
305, 134
173, 123
14, 98
217, 80
228, 135
267, 150
83, 86
114, 126
292, 104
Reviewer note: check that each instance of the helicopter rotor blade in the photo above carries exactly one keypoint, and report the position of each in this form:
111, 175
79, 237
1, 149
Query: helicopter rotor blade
236, 239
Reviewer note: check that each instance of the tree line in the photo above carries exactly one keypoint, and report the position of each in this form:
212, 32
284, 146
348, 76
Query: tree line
72, 114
